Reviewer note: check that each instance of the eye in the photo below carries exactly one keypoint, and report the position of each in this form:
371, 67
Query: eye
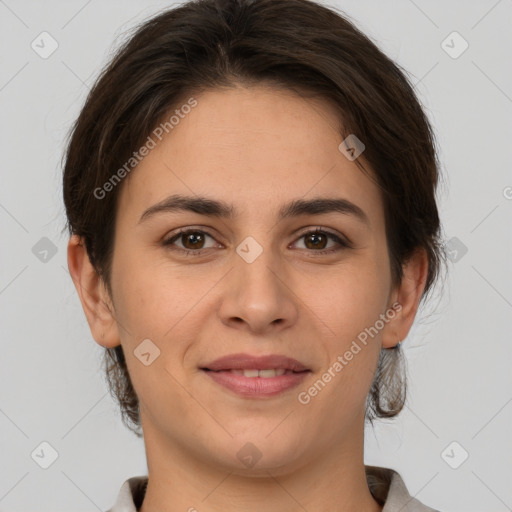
191, 239
316, 241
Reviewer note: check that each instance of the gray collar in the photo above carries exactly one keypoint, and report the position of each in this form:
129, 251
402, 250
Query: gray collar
386, 486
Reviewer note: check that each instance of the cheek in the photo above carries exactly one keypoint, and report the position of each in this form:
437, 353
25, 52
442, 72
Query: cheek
354, 316
357, 295
156, 300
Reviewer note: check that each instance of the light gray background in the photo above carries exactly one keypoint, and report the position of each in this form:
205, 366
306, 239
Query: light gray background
459, 353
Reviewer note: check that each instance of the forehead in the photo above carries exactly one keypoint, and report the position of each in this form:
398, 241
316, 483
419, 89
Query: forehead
254, 147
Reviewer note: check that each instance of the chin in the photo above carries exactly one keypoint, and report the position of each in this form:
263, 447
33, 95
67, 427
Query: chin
255, 453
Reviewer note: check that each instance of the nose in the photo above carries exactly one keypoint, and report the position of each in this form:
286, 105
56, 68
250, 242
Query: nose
258, 296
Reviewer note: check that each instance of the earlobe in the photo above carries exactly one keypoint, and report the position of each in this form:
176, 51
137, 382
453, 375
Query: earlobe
407, 296
93, 295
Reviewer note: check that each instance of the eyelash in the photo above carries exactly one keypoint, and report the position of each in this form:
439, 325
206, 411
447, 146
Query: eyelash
319, 230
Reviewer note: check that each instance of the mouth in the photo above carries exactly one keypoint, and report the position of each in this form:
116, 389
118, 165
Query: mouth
262, 373
246, 362
256, 376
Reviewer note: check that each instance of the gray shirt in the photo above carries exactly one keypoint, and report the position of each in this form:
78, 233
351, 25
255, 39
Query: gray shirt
386, 486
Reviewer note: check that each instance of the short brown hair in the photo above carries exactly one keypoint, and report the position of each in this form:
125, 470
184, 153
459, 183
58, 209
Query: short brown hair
294, 44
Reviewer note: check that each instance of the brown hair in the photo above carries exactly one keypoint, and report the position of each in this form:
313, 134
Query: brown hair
294, 44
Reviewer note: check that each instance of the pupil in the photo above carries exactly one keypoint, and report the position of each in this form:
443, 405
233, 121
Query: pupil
316, 235
193, 238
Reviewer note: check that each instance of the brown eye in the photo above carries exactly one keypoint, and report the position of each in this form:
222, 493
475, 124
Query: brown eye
192, 241
317, 240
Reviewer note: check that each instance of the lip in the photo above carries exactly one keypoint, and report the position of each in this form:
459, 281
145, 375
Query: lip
257, 387
246, 361
254, 387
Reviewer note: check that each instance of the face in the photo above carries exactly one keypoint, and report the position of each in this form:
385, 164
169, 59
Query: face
254, 283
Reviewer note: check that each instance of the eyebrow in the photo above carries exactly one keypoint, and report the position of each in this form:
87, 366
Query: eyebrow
221, 209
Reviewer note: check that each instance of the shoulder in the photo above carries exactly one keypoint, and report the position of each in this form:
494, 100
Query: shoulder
389, 489
385, 484
131, 495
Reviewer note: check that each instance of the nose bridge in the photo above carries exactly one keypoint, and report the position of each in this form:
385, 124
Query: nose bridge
256, 267
257, 292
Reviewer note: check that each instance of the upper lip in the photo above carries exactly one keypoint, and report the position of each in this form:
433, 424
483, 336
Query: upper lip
249, 362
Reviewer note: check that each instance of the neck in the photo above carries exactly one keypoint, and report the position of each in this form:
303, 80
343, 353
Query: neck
331, 481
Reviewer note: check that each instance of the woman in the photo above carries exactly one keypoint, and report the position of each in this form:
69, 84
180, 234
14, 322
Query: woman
250, 193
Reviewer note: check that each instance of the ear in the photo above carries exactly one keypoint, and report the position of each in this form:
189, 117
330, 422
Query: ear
96, 302
406, 298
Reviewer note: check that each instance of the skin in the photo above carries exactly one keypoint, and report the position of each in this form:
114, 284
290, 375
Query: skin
257, 148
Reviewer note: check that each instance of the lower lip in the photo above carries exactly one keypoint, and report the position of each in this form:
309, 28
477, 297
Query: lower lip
257, 386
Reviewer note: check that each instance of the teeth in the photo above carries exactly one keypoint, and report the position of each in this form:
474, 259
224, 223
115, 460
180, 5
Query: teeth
274, 372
